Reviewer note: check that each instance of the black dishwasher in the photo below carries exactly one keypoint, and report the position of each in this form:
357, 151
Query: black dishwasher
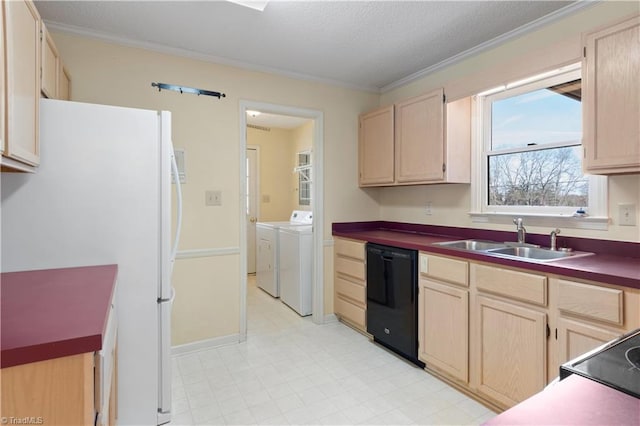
392, 299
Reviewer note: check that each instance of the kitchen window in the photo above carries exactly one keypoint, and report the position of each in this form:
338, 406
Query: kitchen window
530, 155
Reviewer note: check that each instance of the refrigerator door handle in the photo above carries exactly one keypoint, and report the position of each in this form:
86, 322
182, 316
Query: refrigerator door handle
164, 364
176, 174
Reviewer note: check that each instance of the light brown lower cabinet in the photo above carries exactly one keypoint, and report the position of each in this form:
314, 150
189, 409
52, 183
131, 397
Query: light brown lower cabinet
588, 315
59, 391
443, 328
350, 285
510, 350
495, 332
576, 338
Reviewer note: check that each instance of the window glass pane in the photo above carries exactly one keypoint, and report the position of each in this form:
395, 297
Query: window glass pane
547, 177
304, 179
539, 117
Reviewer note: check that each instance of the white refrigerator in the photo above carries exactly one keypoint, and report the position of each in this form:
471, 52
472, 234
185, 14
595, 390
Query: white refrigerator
102, 195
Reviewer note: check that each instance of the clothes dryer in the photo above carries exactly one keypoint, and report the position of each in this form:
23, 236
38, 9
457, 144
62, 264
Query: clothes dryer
267, 245
296, 259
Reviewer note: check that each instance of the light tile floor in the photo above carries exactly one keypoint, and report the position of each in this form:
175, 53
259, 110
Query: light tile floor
293, 372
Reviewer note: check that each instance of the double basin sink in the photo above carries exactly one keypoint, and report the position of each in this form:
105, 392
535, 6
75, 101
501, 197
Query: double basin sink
512, 250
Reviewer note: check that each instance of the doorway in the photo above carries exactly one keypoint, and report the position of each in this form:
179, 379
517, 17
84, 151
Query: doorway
317, 204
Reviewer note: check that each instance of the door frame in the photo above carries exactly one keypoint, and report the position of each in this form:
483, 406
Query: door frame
257, 178
317, 192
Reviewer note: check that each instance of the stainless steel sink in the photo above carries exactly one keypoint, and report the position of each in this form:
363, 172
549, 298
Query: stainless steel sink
476, 245
525, 252
532, 253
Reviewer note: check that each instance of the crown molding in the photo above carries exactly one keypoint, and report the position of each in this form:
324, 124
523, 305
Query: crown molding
186, 53
494, 42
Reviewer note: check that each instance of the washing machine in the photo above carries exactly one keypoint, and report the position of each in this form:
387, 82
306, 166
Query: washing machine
267, 250
296, 260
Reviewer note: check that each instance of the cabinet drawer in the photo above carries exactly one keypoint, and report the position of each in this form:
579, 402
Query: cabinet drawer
350, 312
514, 284
443, 268
351, 290
590, 301
348, 248
350, 267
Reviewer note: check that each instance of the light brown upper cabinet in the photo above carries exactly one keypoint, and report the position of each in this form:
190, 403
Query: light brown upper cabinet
611, 102
375, 147
22, 67
420, 140
50, 59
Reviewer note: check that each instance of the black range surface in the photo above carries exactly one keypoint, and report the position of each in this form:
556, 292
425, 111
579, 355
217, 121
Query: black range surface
616, 364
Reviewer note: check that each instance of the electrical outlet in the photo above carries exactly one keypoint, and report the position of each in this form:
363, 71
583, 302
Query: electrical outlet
627, 214
213, 198
427, 209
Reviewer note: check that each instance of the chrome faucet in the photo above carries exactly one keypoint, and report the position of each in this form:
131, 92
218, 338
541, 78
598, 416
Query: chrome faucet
522, 232
554, 233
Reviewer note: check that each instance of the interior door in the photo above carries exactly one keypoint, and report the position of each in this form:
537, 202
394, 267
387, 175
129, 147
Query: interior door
252, 207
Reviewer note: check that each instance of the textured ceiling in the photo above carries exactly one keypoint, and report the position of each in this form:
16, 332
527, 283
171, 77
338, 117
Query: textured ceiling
370, 45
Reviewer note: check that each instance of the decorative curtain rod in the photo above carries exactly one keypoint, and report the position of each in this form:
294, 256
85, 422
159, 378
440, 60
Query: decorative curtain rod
185, 89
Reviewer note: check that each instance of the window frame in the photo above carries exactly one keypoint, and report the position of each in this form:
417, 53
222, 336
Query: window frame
481, 210
304, 179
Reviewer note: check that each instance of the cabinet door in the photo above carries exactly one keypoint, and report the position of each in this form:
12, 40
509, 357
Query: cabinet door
443, 328
50, 59
576, 338
23, 81
612, 99
420, 138
375, 147
511, 350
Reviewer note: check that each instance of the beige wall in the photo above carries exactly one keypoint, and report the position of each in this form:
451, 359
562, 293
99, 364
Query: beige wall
554, 45
207, 302
275, 154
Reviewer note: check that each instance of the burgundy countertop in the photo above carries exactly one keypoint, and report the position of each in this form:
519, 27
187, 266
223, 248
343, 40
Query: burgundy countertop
612, 262
573, 401
53, 313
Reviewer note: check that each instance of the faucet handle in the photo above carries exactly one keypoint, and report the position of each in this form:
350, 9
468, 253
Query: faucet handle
556, 231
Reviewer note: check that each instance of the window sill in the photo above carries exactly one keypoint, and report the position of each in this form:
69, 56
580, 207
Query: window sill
588, 222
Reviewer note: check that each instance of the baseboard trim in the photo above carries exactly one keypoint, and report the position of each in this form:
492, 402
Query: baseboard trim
202, 345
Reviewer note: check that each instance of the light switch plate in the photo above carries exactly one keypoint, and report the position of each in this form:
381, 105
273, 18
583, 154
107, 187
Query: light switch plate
627, 214
213, 198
